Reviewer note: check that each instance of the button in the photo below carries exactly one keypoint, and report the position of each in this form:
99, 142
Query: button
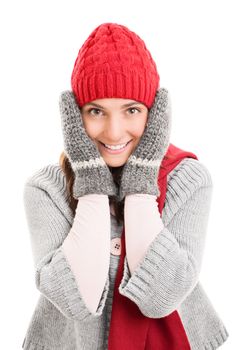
116, 246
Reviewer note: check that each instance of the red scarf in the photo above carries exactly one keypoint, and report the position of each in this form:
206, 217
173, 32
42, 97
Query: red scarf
129, 328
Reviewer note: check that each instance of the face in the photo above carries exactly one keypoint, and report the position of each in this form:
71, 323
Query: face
115, 122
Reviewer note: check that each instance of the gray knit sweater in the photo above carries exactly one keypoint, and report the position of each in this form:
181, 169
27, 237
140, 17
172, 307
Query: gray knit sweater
166, 280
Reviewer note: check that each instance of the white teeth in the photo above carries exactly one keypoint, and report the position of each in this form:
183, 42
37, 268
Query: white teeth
116, 147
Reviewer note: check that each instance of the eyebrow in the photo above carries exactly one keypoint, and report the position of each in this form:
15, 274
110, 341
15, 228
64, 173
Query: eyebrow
123, 106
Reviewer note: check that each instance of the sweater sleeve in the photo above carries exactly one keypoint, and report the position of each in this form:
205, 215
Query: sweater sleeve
54, 276
170, 268
87, 247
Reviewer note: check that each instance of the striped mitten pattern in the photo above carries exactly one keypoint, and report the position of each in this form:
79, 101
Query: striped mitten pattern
92, 174
140, 173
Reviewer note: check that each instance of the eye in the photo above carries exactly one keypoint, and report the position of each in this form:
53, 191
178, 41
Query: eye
134, 109
94, 110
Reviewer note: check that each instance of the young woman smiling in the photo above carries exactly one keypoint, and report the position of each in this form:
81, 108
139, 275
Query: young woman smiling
118, 226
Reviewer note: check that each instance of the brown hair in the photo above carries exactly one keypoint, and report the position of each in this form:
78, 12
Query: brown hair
69, 174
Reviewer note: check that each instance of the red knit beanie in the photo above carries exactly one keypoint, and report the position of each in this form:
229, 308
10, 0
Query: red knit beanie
114, 62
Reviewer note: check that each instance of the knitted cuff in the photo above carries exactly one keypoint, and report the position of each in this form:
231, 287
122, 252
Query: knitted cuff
93, 178
139, 178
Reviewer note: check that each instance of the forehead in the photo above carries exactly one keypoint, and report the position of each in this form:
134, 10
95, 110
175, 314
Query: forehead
112, 102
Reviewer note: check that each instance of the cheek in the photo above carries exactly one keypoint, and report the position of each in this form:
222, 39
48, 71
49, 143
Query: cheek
139, 127
91, 129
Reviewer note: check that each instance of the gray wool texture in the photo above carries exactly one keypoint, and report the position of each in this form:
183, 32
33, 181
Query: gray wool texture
140, 173
92, 175
166, 280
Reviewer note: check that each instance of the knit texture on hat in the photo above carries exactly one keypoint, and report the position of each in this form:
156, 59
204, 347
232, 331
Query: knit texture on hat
114, 62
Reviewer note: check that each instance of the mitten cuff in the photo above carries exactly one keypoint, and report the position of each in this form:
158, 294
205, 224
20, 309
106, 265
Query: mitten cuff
93, 178
139, 179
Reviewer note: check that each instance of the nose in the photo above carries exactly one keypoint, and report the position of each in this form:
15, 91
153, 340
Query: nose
114, 129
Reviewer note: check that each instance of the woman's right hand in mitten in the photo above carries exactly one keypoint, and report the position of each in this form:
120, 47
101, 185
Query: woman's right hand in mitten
92, 174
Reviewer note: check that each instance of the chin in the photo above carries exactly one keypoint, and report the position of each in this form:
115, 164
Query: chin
115, 163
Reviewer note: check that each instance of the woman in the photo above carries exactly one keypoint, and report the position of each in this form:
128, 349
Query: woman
107, 190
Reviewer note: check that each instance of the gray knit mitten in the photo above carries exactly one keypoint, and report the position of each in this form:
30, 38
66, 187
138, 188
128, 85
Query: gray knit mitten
92, 174
140, 173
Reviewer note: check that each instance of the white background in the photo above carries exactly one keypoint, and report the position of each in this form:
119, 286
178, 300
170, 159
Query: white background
191, 43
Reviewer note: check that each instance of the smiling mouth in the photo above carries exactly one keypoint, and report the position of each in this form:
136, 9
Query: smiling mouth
118, 144
114, 151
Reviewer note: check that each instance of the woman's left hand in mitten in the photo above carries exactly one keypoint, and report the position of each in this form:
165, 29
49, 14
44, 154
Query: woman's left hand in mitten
140, 173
